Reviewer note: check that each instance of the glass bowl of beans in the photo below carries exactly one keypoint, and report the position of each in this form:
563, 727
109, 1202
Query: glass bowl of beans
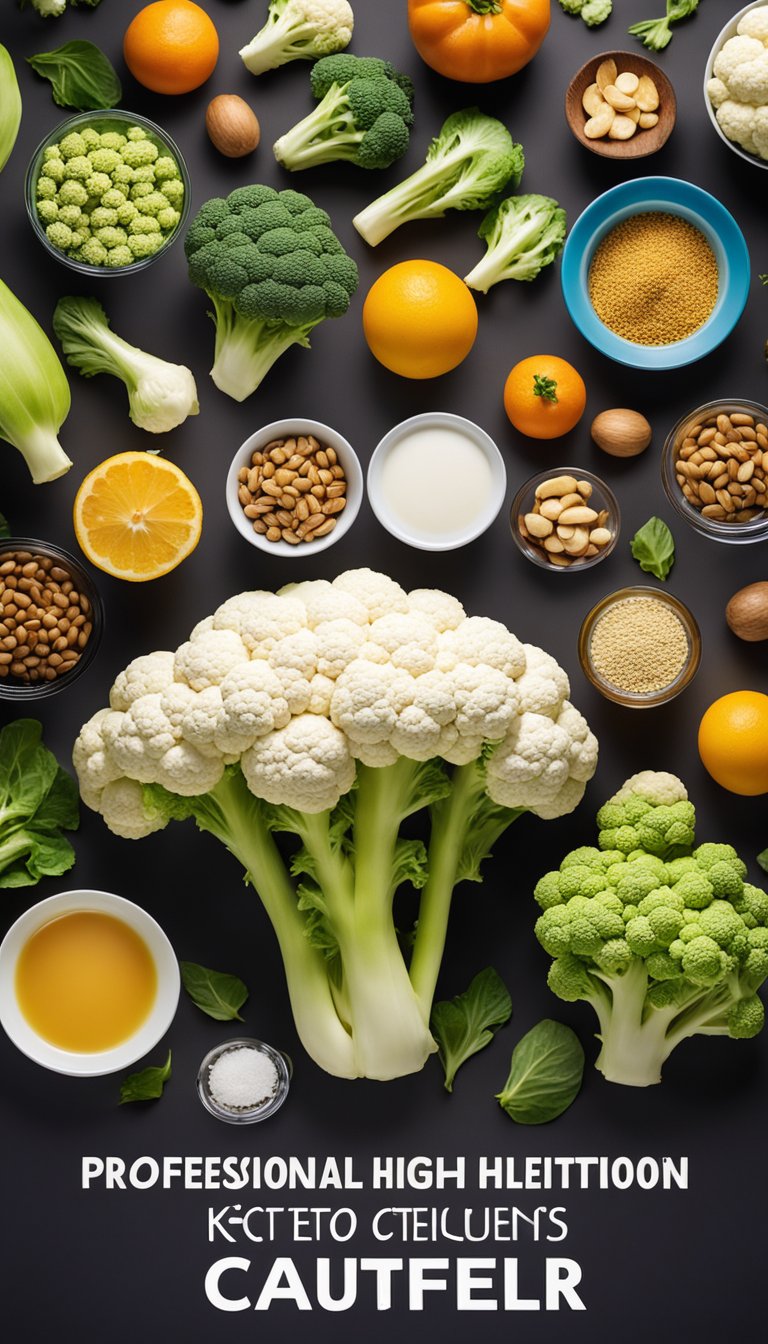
714, 468
51, 619
639, 647
565, 519
655, 273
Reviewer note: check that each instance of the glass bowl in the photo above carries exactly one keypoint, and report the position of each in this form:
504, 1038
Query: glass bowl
756, 529
640, 699
109, 120
243, 1116
19, 690
602, 498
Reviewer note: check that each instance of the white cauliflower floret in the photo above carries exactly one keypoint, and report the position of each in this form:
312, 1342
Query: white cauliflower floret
657, 786
253, 704
481, 640
207, 660
92, 761
742, 65
202, 627
176, 700
261, 619
406, 640
486, 702
463, 750
200, 721
122, 807
755, 24
294, 660
375, 754
186, 771
320, 692
366, 701
306, 765
760, 131
737, 121
127, 748
379, 594
338, 643
323, 601
717, 92
565, 800
582, 752
543, 687
298, 30
442, 610
531, 764
144, 676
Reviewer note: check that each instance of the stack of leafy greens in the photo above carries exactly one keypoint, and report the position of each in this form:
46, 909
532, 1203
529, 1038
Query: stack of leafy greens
38, 802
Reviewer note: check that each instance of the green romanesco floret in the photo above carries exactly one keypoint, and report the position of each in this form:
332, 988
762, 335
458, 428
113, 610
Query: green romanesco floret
113, 198
144, 244
54, 169
472, 158
110, 140
119, 256
299, 30
364, 116
135, 133
105, 160
72, 146
97, 184
78, 168
274, 270
173, 190
47, 211
72, 193
139, 153
46, 189
123, 175
71, 215
672, 947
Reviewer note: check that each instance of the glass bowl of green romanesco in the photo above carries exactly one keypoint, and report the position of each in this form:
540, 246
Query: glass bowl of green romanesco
107, 192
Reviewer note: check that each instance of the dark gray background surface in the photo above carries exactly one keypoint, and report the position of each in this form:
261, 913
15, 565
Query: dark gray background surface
95, 1266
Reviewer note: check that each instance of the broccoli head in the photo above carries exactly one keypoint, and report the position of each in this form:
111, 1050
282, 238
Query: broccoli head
273, 268
662, 947
364, 116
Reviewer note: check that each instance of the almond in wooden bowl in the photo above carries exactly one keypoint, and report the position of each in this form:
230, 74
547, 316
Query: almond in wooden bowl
611, 116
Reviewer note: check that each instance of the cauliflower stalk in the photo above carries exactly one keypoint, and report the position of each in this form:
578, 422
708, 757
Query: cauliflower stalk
160, 395
299, 30
738, 89
335, 712
665, 939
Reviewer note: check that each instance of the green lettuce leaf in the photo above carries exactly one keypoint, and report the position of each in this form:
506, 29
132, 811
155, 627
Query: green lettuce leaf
545, 1074
81, 76
466, 1024
38, 800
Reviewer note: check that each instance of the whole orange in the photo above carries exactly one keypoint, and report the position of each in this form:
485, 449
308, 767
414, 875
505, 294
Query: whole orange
171, 46
419, 319
733, 742
544, 396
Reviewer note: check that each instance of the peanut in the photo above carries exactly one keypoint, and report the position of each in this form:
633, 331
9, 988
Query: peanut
292, 490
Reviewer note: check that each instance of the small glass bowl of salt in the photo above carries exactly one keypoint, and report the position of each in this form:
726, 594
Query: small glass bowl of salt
243, 1080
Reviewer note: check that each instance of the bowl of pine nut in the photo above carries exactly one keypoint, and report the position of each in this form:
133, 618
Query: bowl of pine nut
294, 486
714, 468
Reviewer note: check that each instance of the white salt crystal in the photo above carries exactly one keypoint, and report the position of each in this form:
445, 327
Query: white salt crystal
242, 1078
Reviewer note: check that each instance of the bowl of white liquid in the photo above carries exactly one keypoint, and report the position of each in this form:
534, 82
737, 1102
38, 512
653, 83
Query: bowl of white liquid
436, 481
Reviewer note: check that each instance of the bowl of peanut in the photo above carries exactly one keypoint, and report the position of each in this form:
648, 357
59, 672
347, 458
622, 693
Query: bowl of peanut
714, 468
565, 519
294, 486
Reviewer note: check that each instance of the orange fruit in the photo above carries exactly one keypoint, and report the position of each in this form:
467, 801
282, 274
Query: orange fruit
137, 516
733, 742
544, 396
419, 319
171, 46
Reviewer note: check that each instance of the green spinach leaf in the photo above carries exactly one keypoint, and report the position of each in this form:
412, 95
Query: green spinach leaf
466, 1024
653, 546
81, 76
545, 1074
38, 800
147, 1084
217, 994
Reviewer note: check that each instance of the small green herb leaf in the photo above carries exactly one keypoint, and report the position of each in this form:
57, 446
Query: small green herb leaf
81, 76
217, 994
762, 859
545, 1074
5, 528
147, 1084
653, 546
464, 1025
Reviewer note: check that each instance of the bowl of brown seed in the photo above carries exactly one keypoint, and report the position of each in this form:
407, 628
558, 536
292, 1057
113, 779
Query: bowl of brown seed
51, 619
621, 105
294, 486
714, 468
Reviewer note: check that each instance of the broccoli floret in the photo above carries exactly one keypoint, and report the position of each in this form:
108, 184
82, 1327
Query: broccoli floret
270, 283
299, 30
472, 158
110, 140
136, 133
71, 215
97, 184
668, 949
111, 237
119, 256
72, 193
122, 175
138, 153
522, 235
94, 253
364, 116
144, 244
59, 235
173, 190
47, 211
79, 168
104, 160
72, 146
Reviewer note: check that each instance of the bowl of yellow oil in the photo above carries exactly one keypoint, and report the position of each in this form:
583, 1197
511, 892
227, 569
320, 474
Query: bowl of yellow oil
89, 983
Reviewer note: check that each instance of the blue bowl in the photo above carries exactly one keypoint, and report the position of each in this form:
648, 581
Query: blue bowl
669, 195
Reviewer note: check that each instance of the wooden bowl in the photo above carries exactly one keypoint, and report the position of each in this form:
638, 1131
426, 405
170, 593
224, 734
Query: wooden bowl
642, 143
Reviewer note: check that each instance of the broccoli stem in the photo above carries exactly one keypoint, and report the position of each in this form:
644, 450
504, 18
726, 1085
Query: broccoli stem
326, 135
246, 348
43, 454
423, 195
233, 815
634, 1046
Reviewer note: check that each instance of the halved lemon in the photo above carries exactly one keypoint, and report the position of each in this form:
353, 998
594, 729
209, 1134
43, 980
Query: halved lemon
137, 516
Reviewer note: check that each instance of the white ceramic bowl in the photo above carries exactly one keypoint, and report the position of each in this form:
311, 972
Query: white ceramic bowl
281, 429
729, 31
479, 524
152, 1029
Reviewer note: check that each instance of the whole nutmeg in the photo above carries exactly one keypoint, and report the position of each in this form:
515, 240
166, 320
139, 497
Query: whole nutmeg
747, 613
232, 126
621, 433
